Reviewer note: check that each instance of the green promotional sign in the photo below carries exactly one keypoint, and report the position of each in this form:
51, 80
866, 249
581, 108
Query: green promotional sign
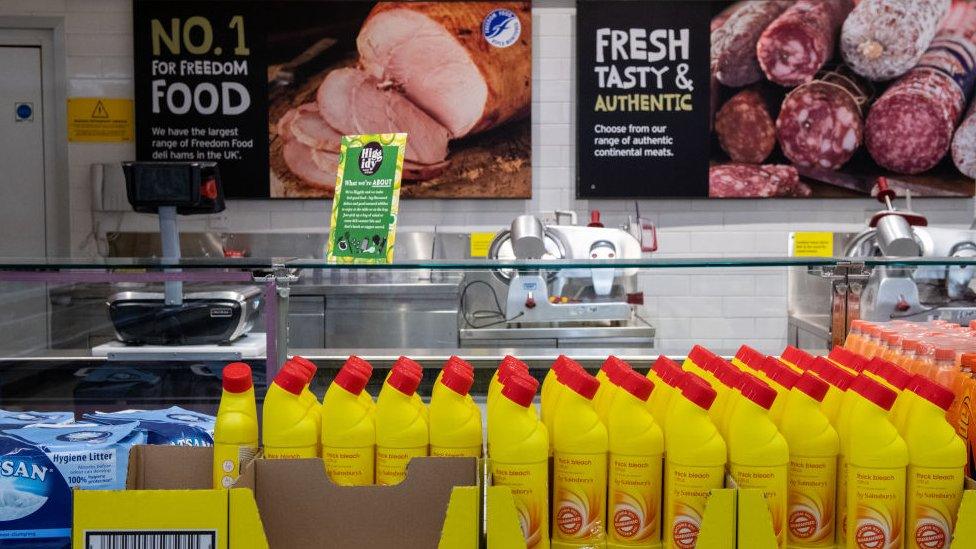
367, 198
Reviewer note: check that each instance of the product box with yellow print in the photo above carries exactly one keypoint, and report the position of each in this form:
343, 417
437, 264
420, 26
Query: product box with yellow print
279, 504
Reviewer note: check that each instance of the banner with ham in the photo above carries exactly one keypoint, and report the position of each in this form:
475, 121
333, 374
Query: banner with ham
268, 90
808, 98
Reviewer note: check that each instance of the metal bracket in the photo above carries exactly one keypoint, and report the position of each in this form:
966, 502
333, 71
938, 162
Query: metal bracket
842, 270
277, 293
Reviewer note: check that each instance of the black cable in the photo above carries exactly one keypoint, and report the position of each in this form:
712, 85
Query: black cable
497, 313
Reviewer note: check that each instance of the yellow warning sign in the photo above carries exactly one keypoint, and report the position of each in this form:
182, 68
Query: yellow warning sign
813, 244
99, 119
480, 243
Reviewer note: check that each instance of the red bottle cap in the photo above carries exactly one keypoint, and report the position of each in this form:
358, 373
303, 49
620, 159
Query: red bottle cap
780, 373
697, 390
873, 391
909, 345
291, 378
355, 362
667, 370
457, 378
615, 369
582, 383
307, 364
944, 354
812, 386
877, 365
508, 368
749, 356
637, 385
562, 365
351, 379
404, 379
726, 373
841, 356
412, 365
835, 375
460, 362
757, 391
797, 357
897, 376
932, 392
237, 377
700, 356
520, 390
511, 362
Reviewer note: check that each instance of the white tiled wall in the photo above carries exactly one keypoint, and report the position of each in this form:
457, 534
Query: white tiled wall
720, 308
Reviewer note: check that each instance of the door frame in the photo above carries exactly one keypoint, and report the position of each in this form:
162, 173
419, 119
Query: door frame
47, 33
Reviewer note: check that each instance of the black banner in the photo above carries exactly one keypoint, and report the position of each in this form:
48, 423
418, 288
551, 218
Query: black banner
201, 88
643, 96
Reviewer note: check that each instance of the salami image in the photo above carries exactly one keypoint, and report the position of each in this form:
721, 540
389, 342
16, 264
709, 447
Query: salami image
290, 78
818, 98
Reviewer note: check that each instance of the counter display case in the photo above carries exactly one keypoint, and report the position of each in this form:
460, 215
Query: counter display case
98, 334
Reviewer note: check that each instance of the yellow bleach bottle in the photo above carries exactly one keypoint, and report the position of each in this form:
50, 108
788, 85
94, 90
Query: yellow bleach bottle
727, 378
838, 380
455, 424
781, 379
843, 424
579, 499
307, 396
665, 374
747, 358
936, 467
567, 369
401, 429
758, 455
697, 362
877, 459
610, 375
366, 369
814, 447
508, 366
847, 359
417, 370
348, 431
551, 386
797, 359
695, 457
635, 467
520, 458
236, 428
289, 431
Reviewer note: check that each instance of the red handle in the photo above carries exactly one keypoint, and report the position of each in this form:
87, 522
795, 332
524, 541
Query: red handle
595, 219
884, 191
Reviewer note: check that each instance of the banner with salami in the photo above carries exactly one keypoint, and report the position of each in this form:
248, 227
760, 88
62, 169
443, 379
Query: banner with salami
268, 89
812, 98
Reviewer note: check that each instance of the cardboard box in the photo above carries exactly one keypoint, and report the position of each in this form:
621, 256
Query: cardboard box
281, 504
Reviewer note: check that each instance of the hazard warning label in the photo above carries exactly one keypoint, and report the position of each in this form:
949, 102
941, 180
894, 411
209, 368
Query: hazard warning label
100, 119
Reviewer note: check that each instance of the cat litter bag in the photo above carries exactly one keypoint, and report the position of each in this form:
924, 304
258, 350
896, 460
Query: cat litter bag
173, 426
90, 456
35, 500
13, 420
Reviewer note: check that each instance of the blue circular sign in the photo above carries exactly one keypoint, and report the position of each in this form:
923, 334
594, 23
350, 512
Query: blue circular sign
24, 111
501, 28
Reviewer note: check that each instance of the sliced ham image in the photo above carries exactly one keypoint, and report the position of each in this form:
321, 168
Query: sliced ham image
352, 102
435, 53
308, 127
298, 157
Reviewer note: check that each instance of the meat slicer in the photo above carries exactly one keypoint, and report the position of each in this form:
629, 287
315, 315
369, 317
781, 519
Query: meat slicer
576, 294
915, 292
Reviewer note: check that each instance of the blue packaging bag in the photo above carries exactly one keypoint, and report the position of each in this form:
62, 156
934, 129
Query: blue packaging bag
35, 500
172, 426
13, 420
90, 456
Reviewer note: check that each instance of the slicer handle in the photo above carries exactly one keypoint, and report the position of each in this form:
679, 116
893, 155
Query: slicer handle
885, 194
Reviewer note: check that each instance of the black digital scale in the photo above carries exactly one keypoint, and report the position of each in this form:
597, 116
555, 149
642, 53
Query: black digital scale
220, 316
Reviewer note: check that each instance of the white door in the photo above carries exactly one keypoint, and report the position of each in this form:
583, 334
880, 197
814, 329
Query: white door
22, 213
23, 307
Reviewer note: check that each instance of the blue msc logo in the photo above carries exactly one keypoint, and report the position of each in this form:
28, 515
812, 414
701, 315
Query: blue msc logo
501, 28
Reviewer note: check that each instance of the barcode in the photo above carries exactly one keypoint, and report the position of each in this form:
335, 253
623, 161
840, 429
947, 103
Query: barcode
151, 540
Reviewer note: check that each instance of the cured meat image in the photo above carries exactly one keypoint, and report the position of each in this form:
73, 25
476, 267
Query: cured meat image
797, 44
884, 39
733, 49
745, 129
755, 181
456, 77
425, 50
909, 128
964, 144
820, 123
